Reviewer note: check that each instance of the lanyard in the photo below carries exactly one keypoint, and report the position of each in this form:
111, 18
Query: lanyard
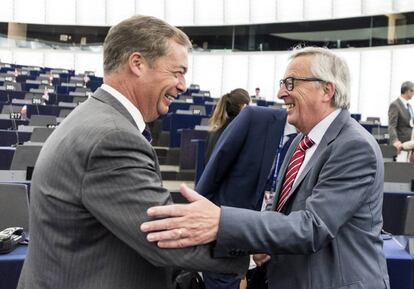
277, 161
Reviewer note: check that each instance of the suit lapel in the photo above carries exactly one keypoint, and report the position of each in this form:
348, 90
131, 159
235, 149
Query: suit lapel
103, 96
330, 135
405, 112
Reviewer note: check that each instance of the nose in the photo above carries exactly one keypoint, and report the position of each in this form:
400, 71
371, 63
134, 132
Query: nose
282, 93
181, 85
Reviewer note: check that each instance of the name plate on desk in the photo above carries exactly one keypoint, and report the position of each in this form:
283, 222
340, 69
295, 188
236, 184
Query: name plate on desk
15, 115
397, 187
12, 175
36, 101
410, 246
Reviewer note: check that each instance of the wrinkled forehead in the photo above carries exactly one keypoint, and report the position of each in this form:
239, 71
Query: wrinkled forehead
299, 66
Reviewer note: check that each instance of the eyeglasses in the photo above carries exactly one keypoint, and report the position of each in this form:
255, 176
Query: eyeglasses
289, 82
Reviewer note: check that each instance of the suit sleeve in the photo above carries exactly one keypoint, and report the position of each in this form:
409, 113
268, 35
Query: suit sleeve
224, 155
120, 184
393, 122
338, 194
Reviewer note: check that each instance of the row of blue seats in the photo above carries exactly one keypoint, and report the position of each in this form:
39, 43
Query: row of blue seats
62, 88
7, 96
34, 109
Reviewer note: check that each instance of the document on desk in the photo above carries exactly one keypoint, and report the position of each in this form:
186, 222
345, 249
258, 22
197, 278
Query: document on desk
402, 157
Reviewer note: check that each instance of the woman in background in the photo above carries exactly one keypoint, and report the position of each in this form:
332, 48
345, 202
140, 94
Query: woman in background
228, 107
408, 146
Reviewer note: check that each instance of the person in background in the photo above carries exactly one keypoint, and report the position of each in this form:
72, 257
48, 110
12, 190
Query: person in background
324, 226
227, 108
97, 174
400, 116
256, 94
408, 146
243, 169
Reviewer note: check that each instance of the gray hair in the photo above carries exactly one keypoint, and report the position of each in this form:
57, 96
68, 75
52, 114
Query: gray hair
406, 85
144, 34
331, 68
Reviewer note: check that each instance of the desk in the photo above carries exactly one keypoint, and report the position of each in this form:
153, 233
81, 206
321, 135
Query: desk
10, 267
400, 265
394, 211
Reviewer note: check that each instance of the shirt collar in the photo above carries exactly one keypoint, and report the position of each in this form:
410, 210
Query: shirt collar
289, 129
319, 130
404, 101
132, 109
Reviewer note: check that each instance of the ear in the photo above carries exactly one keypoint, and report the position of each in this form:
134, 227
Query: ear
136, 64
329, 91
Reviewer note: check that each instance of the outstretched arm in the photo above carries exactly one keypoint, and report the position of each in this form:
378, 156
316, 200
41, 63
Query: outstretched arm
189, 224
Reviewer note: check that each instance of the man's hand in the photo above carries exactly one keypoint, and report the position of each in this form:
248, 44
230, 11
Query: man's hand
184, 225
261, 259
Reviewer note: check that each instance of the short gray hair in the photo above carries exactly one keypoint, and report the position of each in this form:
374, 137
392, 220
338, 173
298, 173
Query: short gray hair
331, 68
144, 34
406, 85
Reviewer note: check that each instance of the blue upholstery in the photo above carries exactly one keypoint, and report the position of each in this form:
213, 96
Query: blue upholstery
9, 137
172, 122
188, 159
6, 156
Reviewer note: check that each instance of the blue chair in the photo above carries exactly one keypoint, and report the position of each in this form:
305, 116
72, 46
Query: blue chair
6, 156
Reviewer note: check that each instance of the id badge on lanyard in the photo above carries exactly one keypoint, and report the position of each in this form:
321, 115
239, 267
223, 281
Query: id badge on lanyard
268, 196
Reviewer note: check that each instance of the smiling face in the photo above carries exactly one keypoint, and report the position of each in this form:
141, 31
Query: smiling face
310, 101
162, 82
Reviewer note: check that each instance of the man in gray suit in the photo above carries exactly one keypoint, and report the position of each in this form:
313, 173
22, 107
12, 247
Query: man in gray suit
323, 231
97, 175
400, 116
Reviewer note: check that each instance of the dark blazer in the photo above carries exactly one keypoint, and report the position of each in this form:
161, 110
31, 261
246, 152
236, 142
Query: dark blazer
213, 137
94, 180
399, 127
240, 164
328, 236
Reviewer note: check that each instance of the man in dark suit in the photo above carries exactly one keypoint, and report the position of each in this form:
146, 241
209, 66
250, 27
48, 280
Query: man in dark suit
97, 174
323, 230
243, 164
400, 116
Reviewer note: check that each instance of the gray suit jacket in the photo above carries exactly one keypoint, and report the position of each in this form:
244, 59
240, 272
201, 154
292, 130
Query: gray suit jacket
399, 127
94, 180
328, 237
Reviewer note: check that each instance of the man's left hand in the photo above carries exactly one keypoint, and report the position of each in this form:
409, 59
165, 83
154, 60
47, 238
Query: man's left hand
184, 225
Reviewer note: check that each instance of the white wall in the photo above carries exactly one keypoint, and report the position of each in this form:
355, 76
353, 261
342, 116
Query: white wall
192, 12
376, 73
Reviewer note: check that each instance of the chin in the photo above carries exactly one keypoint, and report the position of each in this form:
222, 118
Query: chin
163, 111
291, 119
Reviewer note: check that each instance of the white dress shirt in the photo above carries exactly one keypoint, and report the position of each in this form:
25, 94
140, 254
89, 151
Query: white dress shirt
316, 134
132, 109
406, 102
288, 130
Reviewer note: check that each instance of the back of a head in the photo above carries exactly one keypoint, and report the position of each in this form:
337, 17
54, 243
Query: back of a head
331, 68
229, 106
144, 34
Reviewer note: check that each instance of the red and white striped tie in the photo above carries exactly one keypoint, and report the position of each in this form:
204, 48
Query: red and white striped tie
292, 170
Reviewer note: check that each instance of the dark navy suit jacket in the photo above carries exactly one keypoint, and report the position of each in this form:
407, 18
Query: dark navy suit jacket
240, 164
